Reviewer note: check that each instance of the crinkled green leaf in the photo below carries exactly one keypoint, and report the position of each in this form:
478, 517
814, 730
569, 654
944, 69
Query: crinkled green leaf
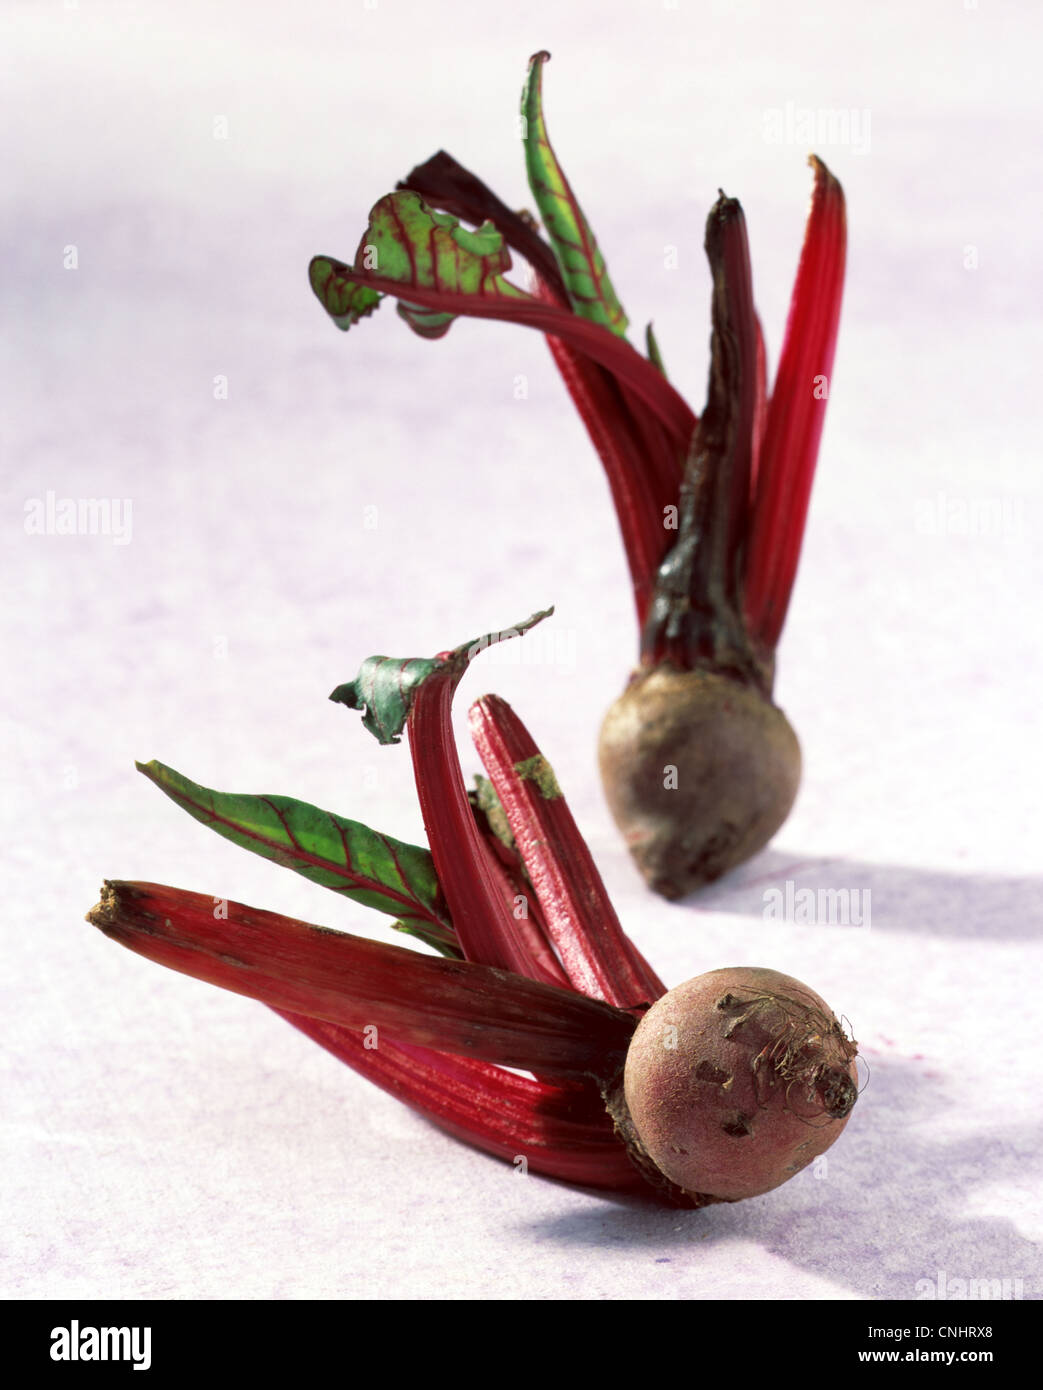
384, 690
582, 264
445, 184
409, 243
385, 687
362, 864
345, 301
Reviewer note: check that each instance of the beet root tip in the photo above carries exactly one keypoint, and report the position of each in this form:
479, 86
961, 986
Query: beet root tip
699, 772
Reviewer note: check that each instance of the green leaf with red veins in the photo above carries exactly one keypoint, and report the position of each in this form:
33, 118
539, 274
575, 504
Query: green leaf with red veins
582, 264
362, 864
441, 270
346, 302
445, 184
409, 243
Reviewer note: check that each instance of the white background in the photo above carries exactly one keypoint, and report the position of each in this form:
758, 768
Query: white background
166, 1140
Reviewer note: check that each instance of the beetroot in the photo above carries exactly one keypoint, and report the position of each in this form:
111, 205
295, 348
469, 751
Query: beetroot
717, 1090
700, 766
699, 770
711, 509
734, 1082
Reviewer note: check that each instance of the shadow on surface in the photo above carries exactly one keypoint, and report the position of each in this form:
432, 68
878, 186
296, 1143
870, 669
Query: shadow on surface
889, 1218
893, 897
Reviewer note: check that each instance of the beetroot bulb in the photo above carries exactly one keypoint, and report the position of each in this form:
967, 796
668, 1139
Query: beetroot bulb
736, 1080
717, 1090
700, 766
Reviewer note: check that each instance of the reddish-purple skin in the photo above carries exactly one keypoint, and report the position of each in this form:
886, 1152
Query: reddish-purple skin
731, 1079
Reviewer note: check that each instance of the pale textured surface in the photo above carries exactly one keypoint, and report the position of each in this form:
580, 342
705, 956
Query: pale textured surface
165, 1140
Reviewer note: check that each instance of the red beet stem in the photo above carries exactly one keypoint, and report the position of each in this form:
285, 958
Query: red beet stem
796, 413
615, 354
481, 901
530, 928
452, 1006
598, 957
760, 411
640, 492
562, 1131
641, 460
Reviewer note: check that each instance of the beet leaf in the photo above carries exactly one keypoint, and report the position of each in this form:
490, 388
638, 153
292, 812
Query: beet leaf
362, 864
583, 268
